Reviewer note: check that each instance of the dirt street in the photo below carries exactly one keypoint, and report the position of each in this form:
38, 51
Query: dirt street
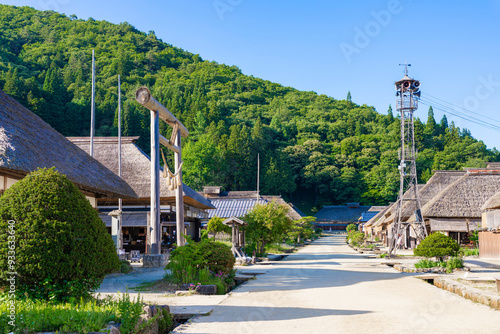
328, 288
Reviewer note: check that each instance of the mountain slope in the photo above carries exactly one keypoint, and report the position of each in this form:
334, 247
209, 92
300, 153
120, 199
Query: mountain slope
313, 148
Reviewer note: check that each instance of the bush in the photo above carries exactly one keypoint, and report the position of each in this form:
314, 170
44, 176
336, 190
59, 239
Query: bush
351, 227
217, 257
453, 263
125, 267
437, 245
318, 231
356, 238
187, 261
62, 247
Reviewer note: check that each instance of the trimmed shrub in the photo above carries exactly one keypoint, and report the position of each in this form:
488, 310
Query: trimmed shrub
62, 248
437, 245
351, 227
187, 261
318, 231
217, 257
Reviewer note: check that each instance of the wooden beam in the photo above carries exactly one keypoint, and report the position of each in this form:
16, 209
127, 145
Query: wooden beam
165, 142
143, 96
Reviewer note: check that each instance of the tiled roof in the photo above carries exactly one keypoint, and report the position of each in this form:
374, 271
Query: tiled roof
226, 208
340, 213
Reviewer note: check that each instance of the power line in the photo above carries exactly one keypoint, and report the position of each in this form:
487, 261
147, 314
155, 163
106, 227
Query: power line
448, 110
430, 98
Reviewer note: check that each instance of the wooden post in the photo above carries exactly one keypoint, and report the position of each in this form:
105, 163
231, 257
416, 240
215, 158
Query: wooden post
179, 194
120, 204
92, 108
154, 230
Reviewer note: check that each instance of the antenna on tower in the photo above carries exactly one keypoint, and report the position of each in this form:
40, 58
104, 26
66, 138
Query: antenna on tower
408, 203
406, 67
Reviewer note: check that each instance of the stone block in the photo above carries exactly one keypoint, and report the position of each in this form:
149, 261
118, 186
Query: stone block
154, 260
209, 289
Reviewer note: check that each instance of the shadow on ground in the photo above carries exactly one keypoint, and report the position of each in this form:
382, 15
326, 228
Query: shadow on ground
270, 313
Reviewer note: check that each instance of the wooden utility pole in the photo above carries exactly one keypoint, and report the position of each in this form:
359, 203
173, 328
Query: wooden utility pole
92, 108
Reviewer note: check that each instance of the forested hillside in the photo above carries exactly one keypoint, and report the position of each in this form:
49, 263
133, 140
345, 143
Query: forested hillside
314, 149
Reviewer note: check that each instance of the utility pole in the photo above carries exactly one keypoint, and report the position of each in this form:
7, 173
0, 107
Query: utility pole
92, 108
408, 92
258, 175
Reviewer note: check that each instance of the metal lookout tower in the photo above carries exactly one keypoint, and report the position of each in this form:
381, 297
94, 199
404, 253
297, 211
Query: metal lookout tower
404, 232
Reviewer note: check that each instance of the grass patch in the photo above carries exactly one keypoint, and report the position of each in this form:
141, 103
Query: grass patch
277, 248
469, 251
33, 316
452, 263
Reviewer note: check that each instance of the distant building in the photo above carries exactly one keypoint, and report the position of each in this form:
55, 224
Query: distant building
28, 143
239, 203
337, 217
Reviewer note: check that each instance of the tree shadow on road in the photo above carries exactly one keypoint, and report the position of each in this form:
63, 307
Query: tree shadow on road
228, 313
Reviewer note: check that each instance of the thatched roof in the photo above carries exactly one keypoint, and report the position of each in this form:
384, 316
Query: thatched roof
408, 209
465, 196
292, 213
378, 216
492, 203
136, 168
28, 143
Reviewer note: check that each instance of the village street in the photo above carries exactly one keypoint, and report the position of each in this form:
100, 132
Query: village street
328, 288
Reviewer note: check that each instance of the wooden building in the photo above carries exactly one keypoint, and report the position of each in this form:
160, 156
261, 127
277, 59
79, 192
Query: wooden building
456, 210
489, 236
238, 203
136, 172
28, 143
381, 225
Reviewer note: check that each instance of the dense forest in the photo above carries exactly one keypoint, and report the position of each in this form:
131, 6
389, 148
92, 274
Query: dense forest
314, 149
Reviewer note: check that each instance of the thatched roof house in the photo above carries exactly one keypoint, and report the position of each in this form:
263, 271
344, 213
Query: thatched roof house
136, 166
465, 196
28, 143
457, 208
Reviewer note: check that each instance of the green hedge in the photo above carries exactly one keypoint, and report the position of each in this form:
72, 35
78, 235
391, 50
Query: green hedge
62, 248
437, 245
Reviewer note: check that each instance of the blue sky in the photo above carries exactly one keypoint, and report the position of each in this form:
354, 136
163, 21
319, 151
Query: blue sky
331, 47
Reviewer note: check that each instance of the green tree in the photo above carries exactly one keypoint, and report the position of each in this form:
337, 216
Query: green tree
267, 224
301, 229
62, 250
215, 226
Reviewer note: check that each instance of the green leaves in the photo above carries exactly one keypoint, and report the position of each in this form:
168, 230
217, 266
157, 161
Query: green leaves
267, 224
63, 249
